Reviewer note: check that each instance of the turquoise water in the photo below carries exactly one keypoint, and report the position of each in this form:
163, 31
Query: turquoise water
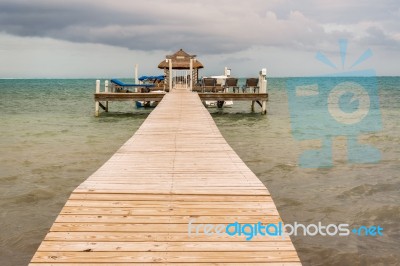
51, 142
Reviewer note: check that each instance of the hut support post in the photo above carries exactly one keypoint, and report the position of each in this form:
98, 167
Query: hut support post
97, 105
191, 75
263, 89
170, 74
136, 76
106, 90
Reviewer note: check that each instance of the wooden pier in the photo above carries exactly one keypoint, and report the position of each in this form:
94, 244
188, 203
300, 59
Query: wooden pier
136, 209
102, 98
112, 96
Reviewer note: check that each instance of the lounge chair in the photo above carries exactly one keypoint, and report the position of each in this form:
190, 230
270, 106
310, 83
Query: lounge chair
231, 83
157, 82
219, 88
251, 83
119, 86
198, 87
209, 84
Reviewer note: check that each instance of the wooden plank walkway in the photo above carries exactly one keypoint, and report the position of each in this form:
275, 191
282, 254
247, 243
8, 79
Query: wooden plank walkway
135, 209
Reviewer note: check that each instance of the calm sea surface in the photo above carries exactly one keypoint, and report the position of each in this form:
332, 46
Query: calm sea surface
51, 142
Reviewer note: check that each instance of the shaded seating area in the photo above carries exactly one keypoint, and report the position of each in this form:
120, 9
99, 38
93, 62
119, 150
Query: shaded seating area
157, 81
230, 85
119, 86
251, 84
151, 78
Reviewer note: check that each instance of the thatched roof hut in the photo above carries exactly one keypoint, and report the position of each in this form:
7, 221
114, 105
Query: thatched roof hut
181, 60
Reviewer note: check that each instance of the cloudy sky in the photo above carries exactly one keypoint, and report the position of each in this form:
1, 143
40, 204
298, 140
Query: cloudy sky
106, 38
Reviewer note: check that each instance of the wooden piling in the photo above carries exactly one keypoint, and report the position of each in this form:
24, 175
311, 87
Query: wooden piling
263, 89
97, 104
106, 90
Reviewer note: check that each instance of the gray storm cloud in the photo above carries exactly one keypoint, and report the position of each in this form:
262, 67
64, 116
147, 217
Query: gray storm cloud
208, 27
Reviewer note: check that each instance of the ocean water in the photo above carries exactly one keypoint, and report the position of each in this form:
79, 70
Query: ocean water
51, 142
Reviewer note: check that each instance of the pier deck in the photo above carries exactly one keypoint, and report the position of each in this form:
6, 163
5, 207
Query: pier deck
112, 96
136, 209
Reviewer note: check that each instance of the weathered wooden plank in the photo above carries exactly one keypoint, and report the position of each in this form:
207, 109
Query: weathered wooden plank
61, 246
176, 191
152, 237
71, 218
168, 197
169, 264
170, 256
127, 227
169, 204
168, 211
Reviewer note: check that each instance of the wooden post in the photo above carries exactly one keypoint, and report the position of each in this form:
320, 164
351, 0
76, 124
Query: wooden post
170, 74
227, 72
263, 88
106, 90
195, 74
97, 106
136, 74
165, 78
191, 75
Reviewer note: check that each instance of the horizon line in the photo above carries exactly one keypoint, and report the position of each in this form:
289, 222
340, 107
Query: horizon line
316, 76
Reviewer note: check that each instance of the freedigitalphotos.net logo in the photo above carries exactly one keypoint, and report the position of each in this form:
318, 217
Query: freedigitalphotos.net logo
339, 104
260, 229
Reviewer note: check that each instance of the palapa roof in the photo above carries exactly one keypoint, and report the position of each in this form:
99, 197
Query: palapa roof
180, 60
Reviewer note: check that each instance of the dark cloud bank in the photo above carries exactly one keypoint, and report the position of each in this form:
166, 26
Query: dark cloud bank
204, 26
